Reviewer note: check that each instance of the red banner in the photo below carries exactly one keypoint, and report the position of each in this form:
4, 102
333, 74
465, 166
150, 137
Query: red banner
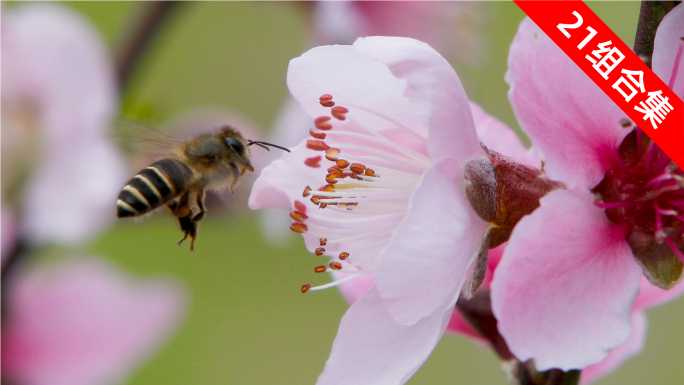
612, 65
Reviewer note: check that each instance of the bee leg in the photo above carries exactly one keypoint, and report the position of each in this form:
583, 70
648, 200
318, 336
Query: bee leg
189, 228
179, 206
200, 205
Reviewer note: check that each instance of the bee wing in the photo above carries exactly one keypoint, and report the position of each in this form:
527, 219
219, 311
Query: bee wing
139, 138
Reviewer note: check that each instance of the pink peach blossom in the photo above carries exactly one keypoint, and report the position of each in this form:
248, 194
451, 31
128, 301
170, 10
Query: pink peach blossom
564, 293
400, 136
84, 322
447, 26
58, 94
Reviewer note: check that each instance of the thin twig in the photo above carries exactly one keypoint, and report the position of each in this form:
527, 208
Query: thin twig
19, 249
137, 40
650, 16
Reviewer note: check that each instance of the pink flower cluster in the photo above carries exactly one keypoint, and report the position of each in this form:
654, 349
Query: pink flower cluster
380, 189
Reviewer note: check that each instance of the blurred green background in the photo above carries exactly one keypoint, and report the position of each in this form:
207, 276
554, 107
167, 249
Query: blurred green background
247, 321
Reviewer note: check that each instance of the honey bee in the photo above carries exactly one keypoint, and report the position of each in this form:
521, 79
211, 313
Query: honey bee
180, 180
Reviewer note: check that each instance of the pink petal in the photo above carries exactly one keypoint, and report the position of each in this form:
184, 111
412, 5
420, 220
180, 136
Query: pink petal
356, 288
497, 136
631, 347
564, 289
370, 348
355, 81
434, 90
565, 114
290, 128
85, 177
85, 322
667, 47
648, 296
57, 60
653, 296
425, 264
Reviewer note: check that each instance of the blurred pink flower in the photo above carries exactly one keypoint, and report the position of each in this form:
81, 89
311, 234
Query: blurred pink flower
58, 95
564, 293
84, 322
449, 27
399, 138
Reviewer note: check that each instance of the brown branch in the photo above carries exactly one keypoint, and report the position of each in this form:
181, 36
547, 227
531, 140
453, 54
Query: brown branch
138, 37
650, 16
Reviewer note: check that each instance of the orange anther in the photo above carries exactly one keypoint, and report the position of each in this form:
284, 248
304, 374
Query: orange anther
320, 269
357, 168
343, 256
335, 170
299, 227
342, 163
339, 113
330, 178
298, 216
316, 199
307, 191
322, 205
317, 134
314, 162
299, 206
331, 154
327, 188
322, 123
306, 288
370, 172
316, 145
322, 241
335, 265
319, 251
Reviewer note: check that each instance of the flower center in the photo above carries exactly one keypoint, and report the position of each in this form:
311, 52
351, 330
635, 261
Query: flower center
370, 178
645, 193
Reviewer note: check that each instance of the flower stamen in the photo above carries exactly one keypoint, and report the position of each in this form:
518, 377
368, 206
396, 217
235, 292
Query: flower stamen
374, 181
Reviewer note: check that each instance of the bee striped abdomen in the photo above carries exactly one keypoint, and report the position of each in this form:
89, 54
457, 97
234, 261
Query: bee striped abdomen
153, 187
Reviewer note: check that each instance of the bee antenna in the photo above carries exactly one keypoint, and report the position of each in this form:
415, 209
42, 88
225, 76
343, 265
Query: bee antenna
264, 144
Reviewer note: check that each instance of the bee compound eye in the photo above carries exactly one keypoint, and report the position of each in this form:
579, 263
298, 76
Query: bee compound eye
235, 144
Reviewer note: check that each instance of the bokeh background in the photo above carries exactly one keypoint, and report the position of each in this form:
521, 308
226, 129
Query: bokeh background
247, 322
